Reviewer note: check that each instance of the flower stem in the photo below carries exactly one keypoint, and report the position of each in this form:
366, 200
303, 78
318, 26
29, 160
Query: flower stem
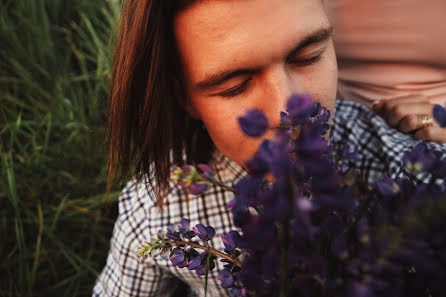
222, 185
210, 250
284, 238
362, 210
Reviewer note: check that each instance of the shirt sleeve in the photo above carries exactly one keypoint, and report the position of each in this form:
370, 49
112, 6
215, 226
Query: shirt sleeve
125, 273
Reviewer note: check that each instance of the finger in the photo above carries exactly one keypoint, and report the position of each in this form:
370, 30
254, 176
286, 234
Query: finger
432, 133
414, 122
411, 123
395, 114
407, 99
376, 106
391, 102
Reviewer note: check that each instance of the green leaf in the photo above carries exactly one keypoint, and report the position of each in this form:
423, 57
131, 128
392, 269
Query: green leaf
208, 260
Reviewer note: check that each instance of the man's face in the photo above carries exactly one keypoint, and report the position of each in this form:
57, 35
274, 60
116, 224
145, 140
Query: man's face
243, 54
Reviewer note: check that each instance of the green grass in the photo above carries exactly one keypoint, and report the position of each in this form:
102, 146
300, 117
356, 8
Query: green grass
55, 219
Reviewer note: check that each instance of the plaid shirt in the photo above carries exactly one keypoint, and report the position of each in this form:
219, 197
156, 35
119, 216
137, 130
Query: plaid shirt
379, 148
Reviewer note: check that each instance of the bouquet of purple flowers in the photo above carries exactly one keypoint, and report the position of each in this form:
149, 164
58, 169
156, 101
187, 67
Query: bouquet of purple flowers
308, 225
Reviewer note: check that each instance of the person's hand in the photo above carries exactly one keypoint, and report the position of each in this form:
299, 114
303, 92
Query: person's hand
411, 114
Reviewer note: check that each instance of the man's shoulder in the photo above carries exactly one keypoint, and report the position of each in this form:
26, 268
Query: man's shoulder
379, 147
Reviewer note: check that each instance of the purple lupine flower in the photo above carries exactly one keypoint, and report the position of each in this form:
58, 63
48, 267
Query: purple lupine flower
183, 229
194, 263
269, 265
388, 187
178, 258
342, 169
357, 289
206, 168
419, 159
275, 153
194, 182
320, 113
201, 268
339, 246
247, 191
438, 168
207, 172
340, 200
185, 223
230, 240
237, 292
183, 175
180, 174
328, 255
310, 143
320, 118
439, 113
257, 166
226, 278
275, 200
204, 232
281, 165
299, 108
347, 153
304, 204
173, 236
254, 123
197, 188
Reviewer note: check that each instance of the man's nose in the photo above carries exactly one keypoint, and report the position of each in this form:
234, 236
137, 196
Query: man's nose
278, 85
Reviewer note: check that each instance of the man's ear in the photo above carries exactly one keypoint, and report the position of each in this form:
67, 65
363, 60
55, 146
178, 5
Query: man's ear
184, 99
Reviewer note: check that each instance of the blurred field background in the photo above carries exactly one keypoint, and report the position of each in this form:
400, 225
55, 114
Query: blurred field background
55, 218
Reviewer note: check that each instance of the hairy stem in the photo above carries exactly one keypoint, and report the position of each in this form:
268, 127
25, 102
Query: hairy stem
209, 250
222, 185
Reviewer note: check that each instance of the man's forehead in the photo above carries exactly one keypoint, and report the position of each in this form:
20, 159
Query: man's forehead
211, 34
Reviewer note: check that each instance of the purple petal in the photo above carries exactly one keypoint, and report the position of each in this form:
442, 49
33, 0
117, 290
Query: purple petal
439, 113
210, 231
185, 223
231, 239
304, 204
223, 274
194, 263
299, 108
172, 236
257, 166
206, 168
253, 123
339, 246
197, 189
187, 169
207, 176
228, 282
201, 231
183, 264
183, 183
201, 270
177, 257
387, 187
226, 241
231, 203
357, 289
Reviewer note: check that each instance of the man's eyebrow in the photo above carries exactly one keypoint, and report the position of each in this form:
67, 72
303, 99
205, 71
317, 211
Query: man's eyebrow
315, 37
220, 77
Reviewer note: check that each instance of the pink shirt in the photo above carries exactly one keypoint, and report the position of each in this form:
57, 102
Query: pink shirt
390, 48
